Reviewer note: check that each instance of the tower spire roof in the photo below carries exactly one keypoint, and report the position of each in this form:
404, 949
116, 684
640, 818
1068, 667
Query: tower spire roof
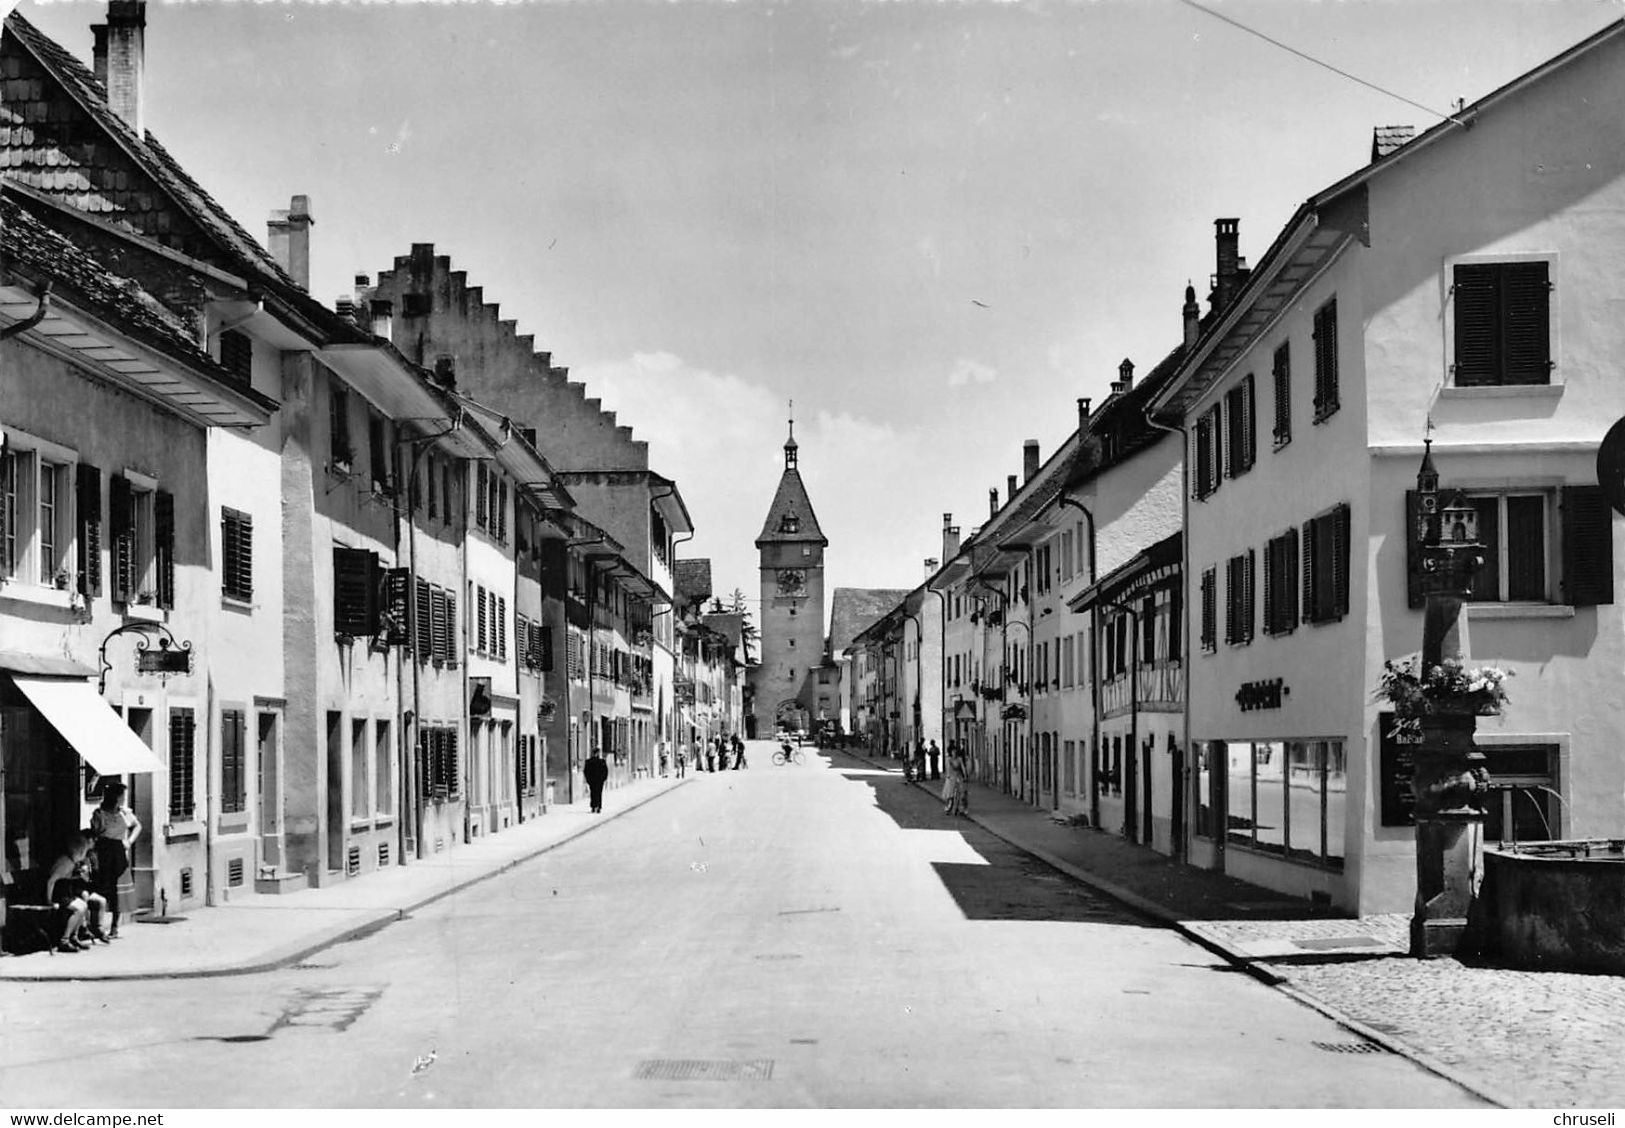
790, 519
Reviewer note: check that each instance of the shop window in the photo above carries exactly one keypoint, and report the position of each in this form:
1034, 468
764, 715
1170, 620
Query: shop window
1287, 797
1502, 324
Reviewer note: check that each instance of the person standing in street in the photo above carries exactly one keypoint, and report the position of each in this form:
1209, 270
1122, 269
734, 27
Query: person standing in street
739, 753
115, 829
935, 755
595, 771
710, 756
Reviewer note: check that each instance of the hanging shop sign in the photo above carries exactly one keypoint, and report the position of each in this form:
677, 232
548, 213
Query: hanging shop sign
157, 651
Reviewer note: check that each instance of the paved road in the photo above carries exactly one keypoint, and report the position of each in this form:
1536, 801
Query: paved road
799, 936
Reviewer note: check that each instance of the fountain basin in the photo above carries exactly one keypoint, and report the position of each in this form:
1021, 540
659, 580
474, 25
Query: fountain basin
1556, 906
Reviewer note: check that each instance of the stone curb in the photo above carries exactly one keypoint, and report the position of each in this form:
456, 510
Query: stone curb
379, 919
1193, 931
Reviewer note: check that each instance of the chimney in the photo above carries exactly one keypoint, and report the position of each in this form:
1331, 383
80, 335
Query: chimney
1193, 317
993, 502
1009, 488
1125, 376
1227, 275
930, 566
1083, 414
289, 235
383, 319
950, 537
445, 371
344, 306
119, 54
1029, 460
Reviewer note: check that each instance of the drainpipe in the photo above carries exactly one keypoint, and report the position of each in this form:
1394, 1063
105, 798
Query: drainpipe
1094, 667
1185, 634
42, 294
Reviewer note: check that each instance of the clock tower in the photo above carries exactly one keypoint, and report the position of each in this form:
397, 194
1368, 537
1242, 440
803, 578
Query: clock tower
792, 609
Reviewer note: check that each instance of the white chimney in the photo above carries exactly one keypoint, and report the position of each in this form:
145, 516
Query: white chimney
288, 233
119, 58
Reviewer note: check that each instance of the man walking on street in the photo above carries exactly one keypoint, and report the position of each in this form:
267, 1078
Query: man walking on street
739, 753
936, 760
595, 772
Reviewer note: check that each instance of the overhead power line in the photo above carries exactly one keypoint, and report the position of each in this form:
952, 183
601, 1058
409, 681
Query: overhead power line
1319, 62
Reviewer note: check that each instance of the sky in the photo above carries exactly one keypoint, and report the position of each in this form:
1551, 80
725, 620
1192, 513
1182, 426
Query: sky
931, 225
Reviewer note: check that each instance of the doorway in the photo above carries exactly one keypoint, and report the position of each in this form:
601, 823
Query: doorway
268, 757
143, 873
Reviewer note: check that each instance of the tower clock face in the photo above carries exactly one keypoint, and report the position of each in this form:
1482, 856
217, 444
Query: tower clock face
792, 581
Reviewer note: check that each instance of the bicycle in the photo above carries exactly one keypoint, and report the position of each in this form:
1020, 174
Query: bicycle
788, 755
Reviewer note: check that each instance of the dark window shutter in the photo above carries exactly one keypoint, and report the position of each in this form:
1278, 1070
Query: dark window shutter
88, 486
1289, 584
1414, 594
1249, 429
1478, 337
1487, 580
1210, 630
1204, 441
1283, 395
1526, 305
423, 610
122, 530
1272, 585
338, 424
479, 495
1249, 613
1339, 520
1176, 628
237, 354
1310, 565
502, 629
434, 628
1326, 390
355, 592
451, 631
454, 782
164, 531
1588, 547
237, 554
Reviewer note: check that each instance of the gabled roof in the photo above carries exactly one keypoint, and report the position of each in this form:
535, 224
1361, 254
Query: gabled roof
1317, 232
110, 177
692, 581
791, 507
213, 395
854, 610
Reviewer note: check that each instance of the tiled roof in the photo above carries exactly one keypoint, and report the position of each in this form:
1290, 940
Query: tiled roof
791, 501
853, 610
692, 579
1125, 414
121, 302
59, 136
1386, 138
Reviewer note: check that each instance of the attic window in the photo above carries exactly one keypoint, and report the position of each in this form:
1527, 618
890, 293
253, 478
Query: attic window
790, 523
237, 354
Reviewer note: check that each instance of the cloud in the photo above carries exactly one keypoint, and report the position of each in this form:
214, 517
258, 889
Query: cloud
971, 372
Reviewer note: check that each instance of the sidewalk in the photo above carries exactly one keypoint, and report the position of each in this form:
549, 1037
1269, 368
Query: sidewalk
256, 932
1519, 1039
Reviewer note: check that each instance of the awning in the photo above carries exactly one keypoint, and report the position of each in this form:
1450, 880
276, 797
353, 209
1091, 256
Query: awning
86, 721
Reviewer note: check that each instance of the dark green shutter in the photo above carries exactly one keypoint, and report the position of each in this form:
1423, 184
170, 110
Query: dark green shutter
88, 485
1588, 547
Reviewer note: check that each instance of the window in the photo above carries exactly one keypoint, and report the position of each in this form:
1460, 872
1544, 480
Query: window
482, 627
340, 450
357, 579
236, 554
426, 644
789, 523
37, 493
182, 748
383, 767
237, 355
1209, 459
438, 761
1241, 440
1238, 605
1281, 584
1287, 797
142, 527
1210, 629
1521, 807
233, 761
446, 491
1326, 566
1326, 361
501, 628
481, 506
378, 452
1281, 370
1502, 324
502, 511
360, 793
1512, 527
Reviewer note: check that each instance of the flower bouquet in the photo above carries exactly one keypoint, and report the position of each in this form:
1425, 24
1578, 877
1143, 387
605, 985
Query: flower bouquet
1447, 688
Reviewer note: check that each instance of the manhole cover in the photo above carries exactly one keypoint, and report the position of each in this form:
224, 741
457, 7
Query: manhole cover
679, 1069
1327, 943
1350, 1047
